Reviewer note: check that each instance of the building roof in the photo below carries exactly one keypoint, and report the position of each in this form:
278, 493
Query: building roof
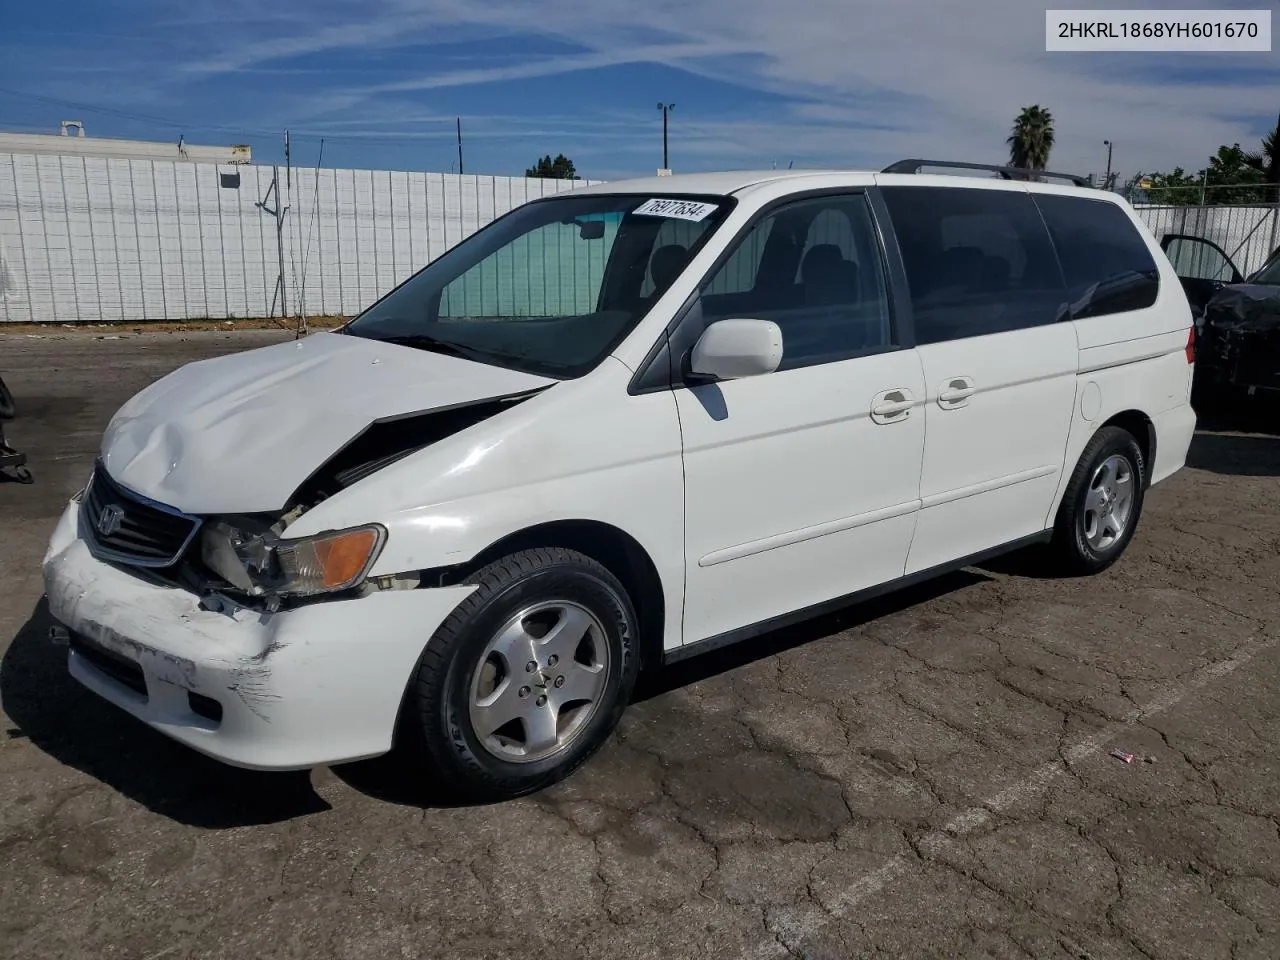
85, 146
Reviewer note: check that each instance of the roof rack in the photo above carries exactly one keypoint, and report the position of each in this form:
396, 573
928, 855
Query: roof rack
1006, 173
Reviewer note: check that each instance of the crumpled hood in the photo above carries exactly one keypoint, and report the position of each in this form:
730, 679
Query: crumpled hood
240, 433
1245, 307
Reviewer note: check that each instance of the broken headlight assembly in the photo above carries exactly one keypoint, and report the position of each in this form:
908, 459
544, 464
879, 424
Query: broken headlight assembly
255, 560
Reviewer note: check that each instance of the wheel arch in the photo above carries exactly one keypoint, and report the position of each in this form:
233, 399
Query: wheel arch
1142, 429
610, 546
1132, 420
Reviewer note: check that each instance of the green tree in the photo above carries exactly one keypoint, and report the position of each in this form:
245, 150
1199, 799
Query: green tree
1032, 138
561, 168
1230, 171
1267, 162
1176, 188
1232, 178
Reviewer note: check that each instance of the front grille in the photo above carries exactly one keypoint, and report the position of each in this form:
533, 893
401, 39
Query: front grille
124, 527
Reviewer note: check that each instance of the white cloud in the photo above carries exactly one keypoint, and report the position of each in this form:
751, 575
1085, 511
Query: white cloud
860, 84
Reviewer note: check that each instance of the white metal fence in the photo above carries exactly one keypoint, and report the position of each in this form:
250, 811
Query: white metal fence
88, 239
98, 239
1246, 234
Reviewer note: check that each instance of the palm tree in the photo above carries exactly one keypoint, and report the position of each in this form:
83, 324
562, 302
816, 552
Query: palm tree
1032, 138
1267, 161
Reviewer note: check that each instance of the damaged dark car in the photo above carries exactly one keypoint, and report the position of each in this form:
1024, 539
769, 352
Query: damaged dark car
1237, 319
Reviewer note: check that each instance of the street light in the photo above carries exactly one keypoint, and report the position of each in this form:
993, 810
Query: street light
1106, 181
665, 108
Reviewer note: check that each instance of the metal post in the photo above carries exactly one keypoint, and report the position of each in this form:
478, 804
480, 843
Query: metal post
1275, 220
459, 148
1204, 185
1106, 180
275, 185
666, 108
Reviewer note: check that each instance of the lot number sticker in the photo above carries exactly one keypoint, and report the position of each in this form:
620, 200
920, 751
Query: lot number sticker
676, 209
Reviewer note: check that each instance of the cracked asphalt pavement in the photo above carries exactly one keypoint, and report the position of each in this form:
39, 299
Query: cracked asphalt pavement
928, 775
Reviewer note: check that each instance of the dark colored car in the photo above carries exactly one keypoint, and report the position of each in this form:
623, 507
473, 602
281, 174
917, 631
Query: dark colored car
1237, 318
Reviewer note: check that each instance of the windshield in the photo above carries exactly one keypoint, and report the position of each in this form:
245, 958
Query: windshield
552, 287
1270, 272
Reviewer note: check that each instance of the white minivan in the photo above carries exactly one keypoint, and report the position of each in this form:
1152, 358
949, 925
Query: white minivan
617, 427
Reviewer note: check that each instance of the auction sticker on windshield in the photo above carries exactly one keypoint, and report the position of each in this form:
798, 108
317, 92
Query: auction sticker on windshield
676, 209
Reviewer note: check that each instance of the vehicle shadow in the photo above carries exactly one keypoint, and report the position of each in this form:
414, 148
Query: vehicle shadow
1238, 414
386, 779
1236, 455
77, 728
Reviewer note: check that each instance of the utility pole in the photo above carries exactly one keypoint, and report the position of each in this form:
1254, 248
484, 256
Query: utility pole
666, 108
1106, 180
459, 146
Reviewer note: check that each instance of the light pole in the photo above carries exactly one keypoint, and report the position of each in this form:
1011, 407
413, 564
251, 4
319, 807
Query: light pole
1106, 181
665, 108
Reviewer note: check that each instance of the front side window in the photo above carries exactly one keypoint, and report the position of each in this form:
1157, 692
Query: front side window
813, 267
553, 286
1106, 263
977, 261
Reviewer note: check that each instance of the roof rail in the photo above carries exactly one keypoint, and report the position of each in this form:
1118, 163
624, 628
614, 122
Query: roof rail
1006, 173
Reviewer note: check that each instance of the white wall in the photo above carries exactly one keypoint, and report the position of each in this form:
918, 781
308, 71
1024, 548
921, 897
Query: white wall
89, 239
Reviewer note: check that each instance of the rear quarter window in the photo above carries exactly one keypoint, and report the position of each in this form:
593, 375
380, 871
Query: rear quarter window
1107, 265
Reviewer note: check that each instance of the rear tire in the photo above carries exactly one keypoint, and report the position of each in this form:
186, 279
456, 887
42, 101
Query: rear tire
1102, 504
527, 678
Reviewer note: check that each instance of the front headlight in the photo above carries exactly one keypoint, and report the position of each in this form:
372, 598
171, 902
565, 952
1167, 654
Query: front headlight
329, 562
260, 563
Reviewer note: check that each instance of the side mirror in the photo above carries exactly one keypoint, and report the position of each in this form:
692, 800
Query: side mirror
732, 349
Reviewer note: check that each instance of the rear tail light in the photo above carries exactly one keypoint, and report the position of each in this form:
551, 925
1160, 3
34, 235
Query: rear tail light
1191, 344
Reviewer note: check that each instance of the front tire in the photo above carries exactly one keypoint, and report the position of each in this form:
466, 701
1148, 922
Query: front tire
527, 678
1102, 503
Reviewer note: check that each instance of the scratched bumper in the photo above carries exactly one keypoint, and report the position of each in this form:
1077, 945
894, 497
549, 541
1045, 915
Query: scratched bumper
317, 685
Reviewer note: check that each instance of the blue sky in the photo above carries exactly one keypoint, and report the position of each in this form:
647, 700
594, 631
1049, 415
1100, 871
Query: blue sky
818, 83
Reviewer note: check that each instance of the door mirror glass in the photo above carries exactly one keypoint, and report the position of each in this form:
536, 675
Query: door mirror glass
732, 349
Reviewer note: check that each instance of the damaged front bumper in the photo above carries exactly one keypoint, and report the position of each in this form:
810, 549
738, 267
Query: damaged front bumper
313, 685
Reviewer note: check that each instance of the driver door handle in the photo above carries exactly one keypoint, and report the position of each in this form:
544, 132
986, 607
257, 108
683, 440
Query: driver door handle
892, 406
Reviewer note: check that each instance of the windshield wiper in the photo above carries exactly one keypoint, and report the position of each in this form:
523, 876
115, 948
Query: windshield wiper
421, 341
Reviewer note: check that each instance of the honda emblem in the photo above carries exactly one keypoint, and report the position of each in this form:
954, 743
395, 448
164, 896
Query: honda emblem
110, 520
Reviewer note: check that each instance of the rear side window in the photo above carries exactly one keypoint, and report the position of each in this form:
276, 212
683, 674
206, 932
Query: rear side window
1108, 267
977, 261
